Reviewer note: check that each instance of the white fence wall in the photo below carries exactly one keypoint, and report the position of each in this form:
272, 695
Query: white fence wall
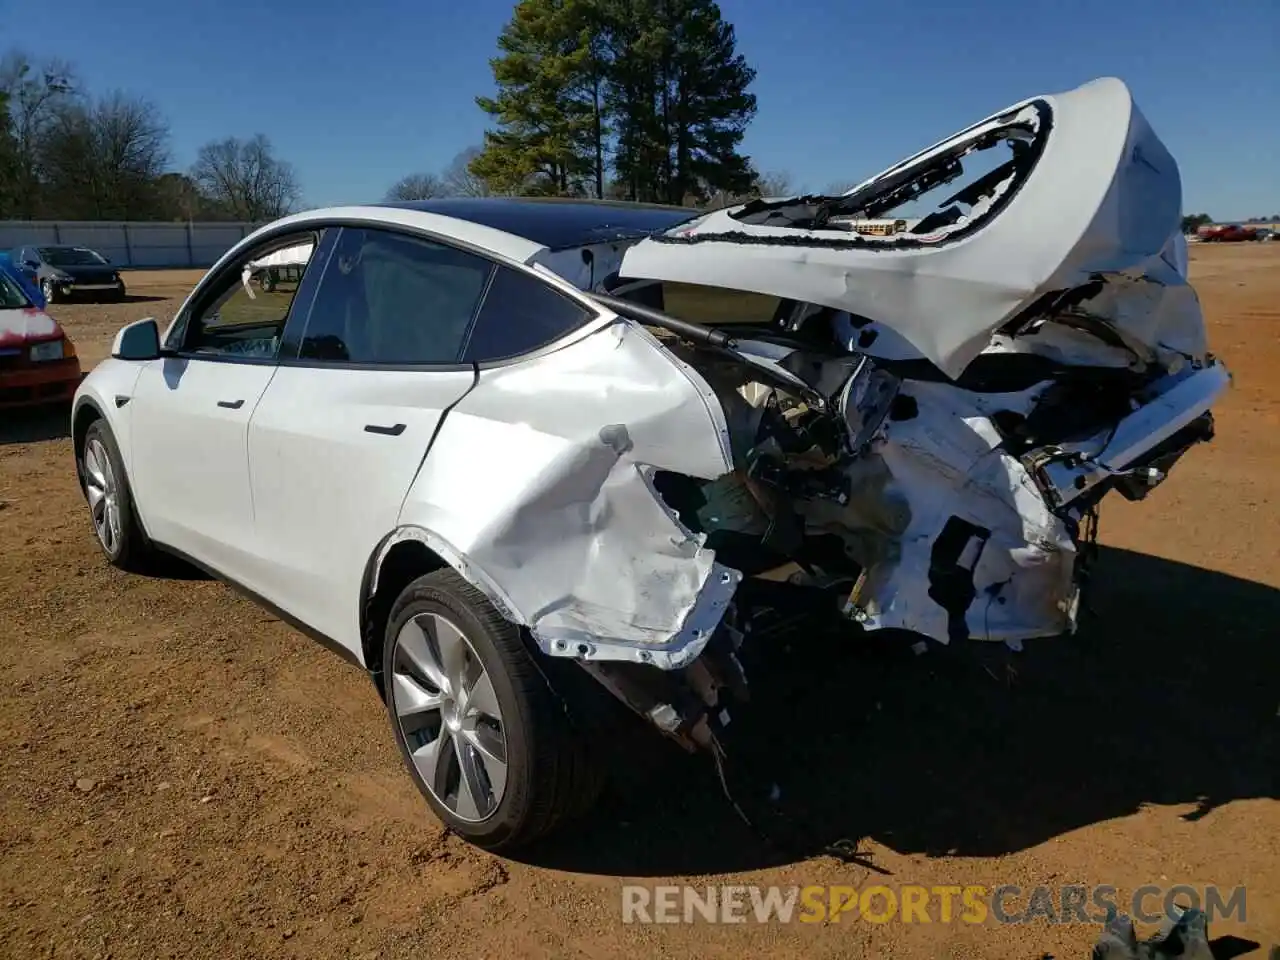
131, 244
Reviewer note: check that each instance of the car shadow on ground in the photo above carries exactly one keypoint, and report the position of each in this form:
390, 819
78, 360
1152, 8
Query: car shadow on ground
1167, 696
34, 424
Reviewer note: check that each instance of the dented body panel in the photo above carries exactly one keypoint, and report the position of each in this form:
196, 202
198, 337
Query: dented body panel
553, 508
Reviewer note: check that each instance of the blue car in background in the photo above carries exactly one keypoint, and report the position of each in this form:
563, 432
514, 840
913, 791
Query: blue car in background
10, 269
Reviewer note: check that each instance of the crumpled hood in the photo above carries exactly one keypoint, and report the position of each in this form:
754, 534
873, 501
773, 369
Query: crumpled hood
26, 325
1098, 196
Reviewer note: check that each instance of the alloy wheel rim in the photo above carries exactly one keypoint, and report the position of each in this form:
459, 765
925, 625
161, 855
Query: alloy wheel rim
103, 494
449, 717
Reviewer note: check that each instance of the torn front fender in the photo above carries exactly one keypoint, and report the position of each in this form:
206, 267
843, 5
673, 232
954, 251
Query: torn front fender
555, 515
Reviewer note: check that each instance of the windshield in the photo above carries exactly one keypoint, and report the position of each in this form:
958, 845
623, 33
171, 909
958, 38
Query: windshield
11, 295
71, 257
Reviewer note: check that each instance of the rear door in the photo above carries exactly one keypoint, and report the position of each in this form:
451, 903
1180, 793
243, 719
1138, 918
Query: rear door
342, 429
190, 415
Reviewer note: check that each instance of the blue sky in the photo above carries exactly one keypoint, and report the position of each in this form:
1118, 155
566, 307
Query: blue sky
357, 94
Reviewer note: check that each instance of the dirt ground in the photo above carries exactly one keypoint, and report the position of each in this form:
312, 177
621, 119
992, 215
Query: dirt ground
185, 776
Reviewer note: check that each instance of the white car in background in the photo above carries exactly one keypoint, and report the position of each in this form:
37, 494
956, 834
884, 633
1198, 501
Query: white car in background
488, 440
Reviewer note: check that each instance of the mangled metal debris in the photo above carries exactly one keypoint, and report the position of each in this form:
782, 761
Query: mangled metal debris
922, 431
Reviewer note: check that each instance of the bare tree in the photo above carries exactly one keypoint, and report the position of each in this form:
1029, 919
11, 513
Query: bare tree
102, 160
457, 180
245, 178
8, 160
35, 94
177, 198
776, 183
416, 186
460, 181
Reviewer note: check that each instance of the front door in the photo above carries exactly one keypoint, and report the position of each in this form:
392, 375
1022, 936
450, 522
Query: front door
190, 421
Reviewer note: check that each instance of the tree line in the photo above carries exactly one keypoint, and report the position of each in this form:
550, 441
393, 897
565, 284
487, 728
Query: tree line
644, 100
66, 154
1194, 221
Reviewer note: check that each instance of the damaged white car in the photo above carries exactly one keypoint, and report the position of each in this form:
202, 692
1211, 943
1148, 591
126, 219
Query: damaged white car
485, 442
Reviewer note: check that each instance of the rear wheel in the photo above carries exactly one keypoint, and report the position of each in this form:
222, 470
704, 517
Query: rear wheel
106, 489
486, 739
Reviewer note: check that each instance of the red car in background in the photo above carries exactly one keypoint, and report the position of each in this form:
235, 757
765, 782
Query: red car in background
38, 364
1226, 233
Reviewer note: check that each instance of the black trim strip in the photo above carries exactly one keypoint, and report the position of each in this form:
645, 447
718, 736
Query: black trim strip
333, 646
310, 364
218, 358
697, 333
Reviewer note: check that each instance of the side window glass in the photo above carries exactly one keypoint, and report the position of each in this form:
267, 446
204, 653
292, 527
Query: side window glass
521, 314
246, 311
387, 298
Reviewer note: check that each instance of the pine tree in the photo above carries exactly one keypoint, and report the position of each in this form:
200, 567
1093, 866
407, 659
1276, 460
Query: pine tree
679, 100
636, 41
711, 106
659, 79
549, 104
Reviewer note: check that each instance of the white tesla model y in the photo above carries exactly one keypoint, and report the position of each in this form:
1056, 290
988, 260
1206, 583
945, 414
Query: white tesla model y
479, 444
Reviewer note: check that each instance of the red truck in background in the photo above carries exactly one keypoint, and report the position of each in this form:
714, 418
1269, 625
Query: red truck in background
1226, 233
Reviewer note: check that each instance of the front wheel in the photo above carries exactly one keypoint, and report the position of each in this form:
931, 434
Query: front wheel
106, 489
485, 738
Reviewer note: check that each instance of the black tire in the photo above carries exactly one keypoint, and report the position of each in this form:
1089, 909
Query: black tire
267, 281
47, 288
549, 773
129, 548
